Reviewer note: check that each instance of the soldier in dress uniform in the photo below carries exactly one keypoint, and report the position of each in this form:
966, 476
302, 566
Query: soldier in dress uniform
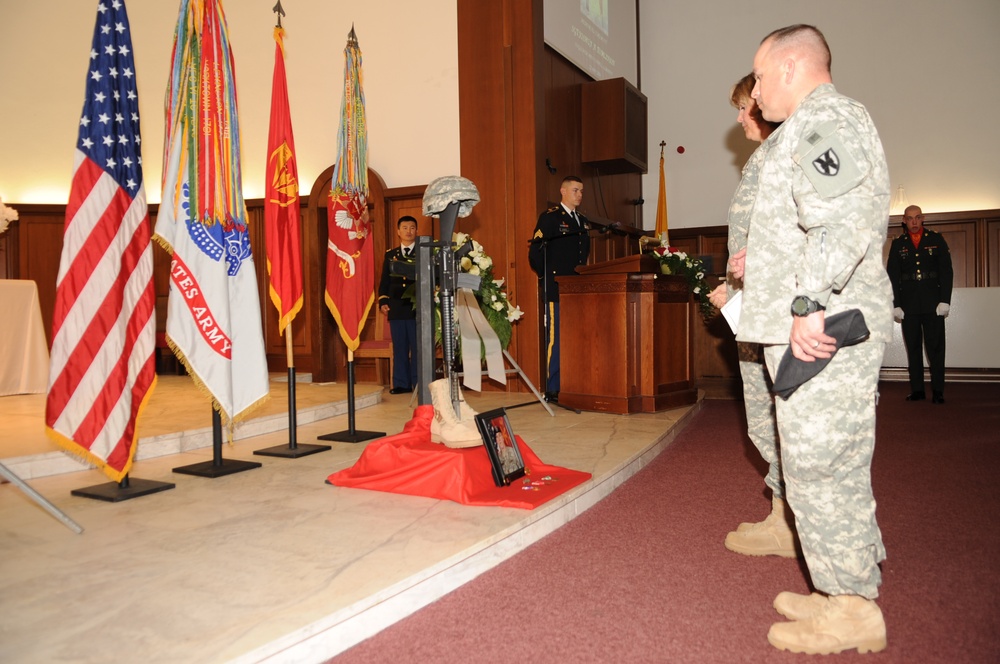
560, 243
814, 249
919, 268
402, 316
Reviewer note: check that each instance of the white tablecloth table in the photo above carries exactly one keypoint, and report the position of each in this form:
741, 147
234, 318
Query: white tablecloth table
24, 353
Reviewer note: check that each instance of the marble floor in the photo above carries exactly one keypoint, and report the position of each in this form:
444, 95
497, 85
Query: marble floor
271, 564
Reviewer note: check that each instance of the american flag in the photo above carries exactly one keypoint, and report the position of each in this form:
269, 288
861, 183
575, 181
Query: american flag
102, 368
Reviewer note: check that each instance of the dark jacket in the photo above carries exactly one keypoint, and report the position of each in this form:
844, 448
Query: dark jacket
921, 276
569, 247
391, 286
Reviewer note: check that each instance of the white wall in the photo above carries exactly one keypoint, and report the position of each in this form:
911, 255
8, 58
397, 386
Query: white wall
970, 332
410, 60
928, 71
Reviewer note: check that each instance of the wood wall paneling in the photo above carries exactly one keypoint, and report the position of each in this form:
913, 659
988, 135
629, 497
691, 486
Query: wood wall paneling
992, 242
39, 249
9, 251
613, 128
500, 124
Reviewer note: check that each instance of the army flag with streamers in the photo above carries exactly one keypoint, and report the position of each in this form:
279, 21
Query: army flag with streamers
350, 265
282, 230
102, 368
213, 311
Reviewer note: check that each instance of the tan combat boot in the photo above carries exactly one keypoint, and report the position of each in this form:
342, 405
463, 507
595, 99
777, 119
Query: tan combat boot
844, 623
800, 607
446, 427
777, 509
774, 536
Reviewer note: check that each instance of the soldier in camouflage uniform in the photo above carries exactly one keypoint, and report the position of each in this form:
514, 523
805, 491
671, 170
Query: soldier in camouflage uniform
814, 248
775, 535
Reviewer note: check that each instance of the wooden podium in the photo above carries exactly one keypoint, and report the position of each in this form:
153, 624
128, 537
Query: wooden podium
625, 338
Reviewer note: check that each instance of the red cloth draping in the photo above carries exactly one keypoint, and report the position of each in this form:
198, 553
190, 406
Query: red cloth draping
411, 464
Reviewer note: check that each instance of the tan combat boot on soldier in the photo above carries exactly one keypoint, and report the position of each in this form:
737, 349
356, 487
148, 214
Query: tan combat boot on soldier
774, 536
844, 623
800, 607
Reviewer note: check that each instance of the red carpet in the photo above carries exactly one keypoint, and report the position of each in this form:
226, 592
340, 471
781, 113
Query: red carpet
643, 576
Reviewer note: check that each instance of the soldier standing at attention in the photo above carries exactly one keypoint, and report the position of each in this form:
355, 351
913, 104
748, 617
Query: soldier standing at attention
560, 243
400, 312
815, 249
919, 268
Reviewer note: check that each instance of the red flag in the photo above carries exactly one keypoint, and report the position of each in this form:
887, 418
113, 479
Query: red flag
350, 267
102, 369
282, 235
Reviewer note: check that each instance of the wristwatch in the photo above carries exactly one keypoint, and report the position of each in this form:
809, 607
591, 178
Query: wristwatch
803, 306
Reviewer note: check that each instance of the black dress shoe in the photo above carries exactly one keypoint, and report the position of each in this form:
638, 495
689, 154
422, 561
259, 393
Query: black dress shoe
552, 397
916, 396
938, 397
400, 390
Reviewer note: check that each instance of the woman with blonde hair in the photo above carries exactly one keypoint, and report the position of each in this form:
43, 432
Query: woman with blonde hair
775, 535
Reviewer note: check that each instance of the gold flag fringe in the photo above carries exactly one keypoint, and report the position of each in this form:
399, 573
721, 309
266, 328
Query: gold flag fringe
352, 344
227, 421
74, 448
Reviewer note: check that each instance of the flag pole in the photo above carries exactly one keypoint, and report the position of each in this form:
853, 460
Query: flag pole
662, 230
293, 450
210, 176
349, 268
351, 435
105, 172
218, 466
282, 237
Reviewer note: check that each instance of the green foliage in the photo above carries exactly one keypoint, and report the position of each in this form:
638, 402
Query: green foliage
692, 269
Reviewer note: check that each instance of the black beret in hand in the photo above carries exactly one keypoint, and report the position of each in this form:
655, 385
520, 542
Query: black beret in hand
847, 327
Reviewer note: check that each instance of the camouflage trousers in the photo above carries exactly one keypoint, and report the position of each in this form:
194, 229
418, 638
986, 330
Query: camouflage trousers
759, 404
827, 430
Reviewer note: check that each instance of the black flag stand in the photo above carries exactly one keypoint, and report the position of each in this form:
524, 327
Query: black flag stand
351, 435
218, 466
293, 450
115, 492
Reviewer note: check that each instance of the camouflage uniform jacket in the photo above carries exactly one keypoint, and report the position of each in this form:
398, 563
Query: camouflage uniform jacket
819, 221
741, 208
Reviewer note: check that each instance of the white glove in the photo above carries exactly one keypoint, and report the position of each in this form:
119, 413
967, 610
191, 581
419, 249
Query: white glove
942, 309
897, 315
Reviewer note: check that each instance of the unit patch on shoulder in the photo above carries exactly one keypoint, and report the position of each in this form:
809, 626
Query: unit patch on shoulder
828, 162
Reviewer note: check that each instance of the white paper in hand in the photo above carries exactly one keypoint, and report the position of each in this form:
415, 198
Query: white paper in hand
731, 310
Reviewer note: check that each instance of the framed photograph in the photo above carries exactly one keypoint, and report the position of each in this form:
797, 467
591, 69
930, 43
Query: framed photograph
501, 445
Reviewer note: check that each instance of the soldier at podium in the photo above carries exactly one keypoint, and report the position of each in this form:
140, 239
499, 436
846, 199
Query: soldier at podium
560, 243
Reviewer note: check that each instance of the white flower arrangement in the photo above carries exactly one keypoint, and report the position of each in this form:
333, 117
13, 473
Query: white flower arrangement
692, 269
7, 215
492, 293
